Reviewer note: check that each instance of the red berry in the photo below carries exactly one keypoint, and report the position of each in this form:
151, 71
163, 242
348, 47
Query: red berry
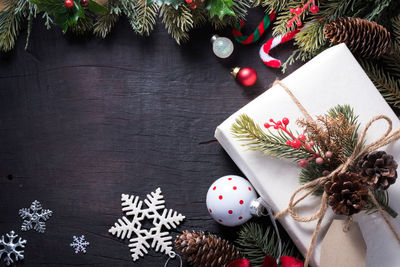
328, 154
289, 143
267, 125
84, 3
289, 24
69, 3
319, 160
291, 10
189, 1
302, 137
303, 163
279, 123
285, 121
297, 10
298, 23
276, 127
271, 120
311, 143
296, 144
314, 9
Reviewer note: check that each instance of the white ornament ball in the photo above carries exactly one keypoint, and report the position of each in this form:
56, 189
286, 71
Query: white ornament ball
222, 46
228, 200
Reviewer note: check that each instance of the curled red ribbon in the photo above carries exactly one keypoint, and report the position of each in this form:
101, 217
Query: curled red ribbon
286, 261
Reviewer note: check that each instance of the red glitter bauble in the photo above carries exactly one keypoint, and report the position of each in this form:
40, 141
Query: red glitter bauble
245, 76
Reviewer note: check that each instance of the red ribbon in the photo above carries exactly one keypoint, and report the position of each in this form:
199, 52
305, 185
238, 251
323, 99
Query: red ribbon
286, 261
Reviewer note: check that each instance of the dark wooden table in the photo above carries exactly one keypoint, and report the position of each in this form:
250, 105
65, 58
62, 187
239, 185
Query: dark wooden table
83, 120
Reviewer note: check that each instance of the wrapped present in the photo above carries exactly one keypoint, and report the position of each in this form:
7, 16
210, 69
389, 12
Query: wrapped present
333, 77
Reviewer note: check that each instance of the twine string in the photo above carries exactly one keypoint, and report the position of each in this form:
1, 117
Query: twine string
387, 138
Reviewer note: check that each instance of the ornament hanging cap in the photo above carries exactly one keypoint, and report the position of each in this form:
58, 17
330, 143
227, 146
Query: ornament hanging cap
235, 71
214, 37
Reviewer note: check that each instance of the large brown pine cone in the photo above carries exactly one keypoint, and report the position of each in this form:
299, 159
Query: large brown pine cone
206, 250
365, 38
347, 193
380, 168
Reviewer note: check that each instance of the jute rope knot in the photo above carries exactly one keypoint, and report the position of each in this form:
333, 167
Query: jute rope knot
387, 138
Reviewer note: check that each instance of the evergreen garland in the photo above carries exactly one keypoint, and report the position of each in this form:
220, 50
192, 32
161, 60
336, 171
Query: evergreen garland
178, 16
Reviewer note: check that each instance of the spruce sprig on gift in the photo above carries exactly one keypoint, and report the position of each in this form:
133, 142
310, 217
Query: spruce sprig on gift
255, 242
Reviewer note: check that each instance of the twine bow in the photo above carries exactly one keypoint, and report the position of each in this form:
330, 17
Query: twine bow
387, 138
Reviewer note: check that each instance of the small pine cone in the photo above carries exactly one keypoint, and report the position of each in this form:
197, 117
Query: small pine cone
206, 250
380, 169
365, 38
347, 193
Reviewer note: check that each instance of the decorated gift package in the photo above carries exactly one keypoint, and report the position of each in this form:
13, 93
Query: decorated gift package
332, 78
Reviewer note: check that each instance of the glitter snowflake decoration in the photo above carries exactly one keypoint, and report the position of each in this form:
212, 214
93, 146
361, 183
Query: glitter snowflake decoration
11, 248
139, 243
32, 217
79, 244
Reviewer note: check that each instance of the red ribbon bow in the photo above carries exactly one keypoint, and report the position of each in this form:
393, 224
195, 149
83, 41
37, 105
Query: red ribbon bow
286, 261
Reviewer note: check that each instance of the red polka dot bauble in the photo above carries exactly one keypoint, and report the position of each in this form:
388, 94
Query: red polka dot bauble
229, 199
245, 76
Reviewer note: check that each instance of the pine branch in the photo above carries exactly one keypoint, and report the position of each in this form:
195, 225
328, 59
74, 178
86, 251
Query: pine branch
349, 142
246, 130
11, 21
200, 16
105, 23
141, 16
146, 17
255, 243
396, 29
178, 22
382, 196
311, 38
84, 25
387, 84
240, 8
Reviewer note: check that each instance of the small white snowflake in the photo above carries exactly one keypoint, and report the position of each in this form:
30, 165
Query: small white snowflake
11, 248
133, 208
32, 217
79, 244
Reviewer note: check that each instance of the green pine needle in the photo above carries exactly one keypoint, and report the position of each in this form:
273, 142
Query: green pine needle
387, 84
178, 22
255, 242
11, 21
255, 138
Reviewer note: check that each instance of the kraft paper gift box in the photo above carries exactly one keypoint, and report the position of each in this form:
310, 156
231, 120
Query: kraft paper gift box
331, 78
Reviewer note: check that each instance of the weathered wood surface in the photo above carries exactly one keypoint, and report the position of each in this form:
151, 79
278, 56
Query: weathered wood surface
84, 120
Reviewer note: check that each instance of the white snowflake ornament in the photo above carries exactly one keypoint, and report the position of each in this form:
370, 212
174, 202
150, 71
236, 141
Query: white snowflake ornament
12, 249
34, 217
79, 244
139, 243
229, 200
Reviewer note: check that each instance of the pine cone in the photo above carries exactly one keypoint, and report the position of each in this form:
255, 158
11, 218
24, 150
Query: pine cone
206, 250
347, 193
380, 168
365, 38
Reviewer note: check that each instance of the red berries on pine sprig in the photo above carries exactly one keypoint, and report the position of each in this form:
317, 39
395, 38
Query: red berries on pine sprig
69, 3
299, 142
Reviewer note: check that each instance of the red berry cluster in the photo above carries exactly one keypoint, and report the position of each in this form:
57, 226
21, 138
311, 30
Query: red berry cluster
298, 11
193, 3
70, 3
298, 142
